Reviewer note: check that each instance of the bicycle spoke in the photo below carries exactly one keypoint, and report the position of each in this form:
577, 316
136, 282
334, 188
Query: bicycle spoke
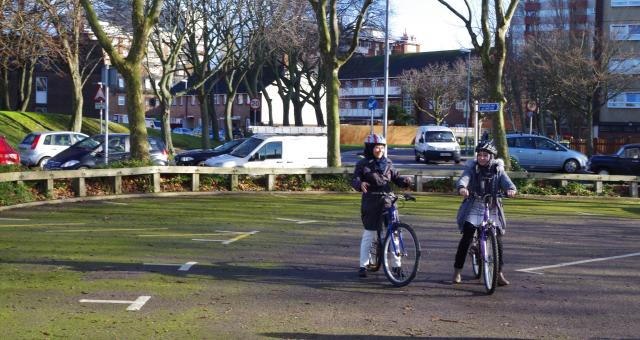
401, 255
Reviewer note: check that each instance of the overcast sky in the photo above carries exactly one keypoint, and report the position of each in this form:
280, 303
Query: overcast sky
433, 25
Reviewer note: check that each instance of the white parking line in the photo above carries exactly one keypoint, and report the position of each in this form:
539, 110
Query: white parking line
133, 305
185, 267
62, 224
225, 242
296, 221
111, 229
13, 219
566, 264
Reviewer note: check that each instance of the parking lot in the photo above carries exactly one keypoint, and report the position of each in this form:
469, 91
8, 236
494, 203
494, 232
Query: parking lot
277, 265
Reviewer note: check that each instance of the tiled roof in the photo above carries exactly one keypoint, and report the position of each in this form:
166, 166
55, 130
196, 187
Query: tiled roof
373, 67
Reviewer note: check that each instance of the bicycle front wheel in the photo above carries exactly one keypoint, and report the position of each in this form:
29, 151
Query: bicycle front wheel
490, 263
476, 257
401, 255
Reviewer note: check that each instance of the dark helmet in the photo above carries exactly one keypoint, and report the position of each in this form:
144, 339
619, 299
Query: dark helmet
375, 139
487, 146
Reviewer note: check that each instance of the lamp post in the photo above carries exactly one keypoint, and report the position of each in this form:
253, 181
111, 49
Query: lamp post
466, 103
386, 74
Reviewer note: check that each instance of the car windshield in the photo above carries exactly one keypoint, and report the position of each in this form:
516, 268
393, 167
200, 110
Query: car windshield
439, 136
246, 147
90, 143
228, 145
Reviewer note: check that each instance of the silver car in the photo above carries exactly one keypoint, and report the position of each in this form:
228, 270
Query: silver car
538, 153
38, 147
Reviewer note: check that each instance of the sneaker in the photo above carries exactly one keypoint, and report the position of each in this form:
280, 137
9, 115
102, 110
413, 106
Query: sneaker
362, 272
397, 272
501, 280
457, 277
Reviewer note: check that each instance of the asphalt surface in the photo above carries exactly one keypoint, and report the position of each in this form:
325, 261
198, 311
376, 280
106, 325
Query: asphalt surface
403, 157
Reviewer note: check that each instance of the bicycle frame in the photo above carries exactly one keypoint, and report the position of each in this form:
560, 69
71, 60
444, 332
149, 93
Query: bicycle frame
392, 219
482, 237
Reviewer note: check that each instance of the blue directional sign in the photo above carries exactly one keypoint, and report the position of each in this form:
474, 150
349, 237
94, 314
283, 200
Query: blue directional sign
372, 103
489, 107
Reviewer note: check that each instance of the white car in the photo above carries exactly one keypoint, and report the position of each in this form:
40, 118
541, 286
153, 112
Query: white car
38, 147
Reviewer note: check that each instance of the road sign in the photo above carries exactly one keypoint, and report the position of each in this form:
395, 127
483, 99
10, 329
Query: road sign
101, 106
529, 114
255, 103
372, 103
489, 107
99, 95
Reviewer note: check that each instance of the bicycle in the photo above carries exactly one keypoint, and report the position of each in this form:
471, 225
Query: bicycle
484, 248
398, 252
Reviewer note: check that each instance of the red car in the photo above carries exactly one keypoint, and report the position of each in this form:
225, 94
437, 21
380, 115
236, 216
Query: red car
8, 155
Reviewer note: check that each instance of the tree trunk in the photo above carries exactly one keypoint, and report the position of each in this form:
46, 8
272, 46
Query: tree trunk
5, 98
165, 128
228, 119
26, 85
135, 111
204, 114
333, 117
77, 100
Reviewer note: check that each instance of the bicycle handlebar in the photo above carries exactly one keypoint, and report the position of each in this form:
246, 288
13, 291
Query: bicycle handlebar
404, 197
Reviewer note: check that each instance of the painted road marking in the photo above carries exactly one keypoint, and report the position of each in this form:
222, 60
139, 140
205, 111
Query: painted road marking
296, 221
115, 203
133, 305
225, 242
110, 229
39, 225
185, 267
566, 264
587, 214
13, 219
177, 235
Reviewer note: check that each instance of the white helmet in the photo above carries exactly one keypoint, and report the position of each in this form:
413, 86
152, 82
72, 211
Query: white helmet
375, 139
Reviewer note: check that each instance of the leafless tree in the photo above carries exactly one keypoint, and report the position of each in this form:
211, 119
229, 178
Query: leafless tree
490, 44
76, 55
327, 19
167, 40
580, 78
144, 15
435, 88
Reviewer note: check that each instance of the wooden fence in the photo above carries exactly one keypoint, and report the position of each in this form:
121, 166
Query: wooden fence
603, 146
45, 179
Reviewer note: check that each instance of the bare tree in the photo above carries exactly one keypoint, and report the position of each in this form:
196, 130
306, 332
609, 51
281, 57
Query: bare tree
435, 88
579, 79
326, 15
494, 24
144, 15
76, 55
167, 40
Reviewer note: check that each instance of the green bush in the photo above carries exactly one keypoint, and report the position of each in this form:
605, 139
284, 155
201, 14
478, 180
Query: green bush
332, 183
575, 189
14, 193
12, 168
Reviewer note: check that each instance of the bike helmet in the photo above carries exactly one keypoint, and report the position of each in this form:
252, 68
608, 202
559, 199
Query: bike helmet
375, 139
487, 146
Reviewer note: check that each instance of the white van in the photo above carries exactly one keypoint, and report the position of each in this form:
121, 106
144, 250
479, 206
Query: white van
276, 151
436, 143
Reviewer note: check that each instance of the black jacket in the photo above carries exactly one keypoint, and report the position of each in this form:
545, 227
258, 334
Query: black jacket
373, 206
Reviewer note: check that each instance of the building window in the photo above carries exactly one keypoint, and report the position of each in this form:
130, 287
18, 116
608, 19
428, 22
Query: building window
347, 104
625, 3
173, 101
193, 100
42, 88
625, 100
360, 104
121, 82
374, 82
147, 83
360, 83
152, 102
120, 100
625, 66
625, 32
216, 99
240, 99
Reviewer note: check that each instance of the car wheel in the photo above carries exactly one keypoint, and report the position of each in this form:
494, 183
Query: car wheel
603, 172
201, 163
83, 168
571, 166
43, 161
417, 157
426, 159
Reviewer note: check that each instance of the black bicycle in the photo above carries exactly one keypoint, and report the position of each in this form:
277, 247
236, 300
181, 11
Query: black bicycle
484, 248
397, 249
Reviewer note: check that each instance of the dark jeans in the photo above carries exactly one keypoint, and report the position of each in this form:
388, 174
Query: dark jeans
465, 242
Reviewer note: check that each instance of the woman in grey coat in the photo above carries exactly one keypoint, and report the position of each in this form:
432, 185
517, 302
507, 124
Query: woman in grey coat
484, 175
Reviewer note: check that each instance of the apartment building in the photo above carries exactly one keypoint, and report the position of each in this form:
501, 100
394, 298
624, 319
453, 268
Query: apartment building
620, 22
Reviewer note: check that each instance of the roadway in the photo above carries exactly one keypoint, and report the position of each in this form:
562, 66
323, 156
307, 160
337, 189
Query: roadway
404, 158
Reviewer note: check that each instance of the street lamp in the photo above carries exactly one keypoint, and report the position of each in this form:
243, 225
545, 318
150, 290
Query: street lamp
466, 103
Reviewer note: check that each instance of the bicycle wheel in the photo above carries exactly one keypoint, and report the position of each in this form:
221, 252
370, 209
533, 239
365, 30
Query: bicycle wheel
375, 253
490, 264
476, 257
401, 255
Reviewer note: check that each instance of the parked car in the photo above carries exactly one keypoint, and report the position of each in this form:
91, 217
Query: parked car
8, 155
38, 147
199, 156
538, 153
624, 162
182, 131
89, 152
436, 143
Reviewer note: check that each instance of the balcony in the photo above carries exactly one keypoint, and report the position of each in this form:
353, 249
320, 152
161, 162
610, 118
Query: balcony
531, 6
360, 113
369, 91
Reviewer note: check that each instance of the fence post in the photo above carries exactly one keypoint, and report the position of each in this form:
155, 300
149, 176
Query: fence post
195, 181
156, 182
418, 180
634, 189
117, 185
308, 178
48, 188
79, 186
598, 187
271, 181
233, 182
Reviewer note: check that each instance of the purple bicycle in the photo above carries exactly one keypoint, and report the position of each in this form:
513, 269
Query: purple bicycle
484, 248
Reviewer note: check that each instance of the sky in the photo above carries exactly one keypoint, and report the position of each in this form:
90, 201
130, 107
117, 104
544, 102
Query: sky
433, 25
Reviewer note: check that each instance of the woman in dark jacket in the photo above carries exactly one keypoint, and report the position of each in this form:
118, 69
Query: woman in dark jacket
372, 175
484, 175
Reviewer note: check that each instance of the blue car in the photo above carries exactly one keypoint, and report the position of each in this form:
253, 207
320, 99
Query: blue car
624, 162
538, 153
